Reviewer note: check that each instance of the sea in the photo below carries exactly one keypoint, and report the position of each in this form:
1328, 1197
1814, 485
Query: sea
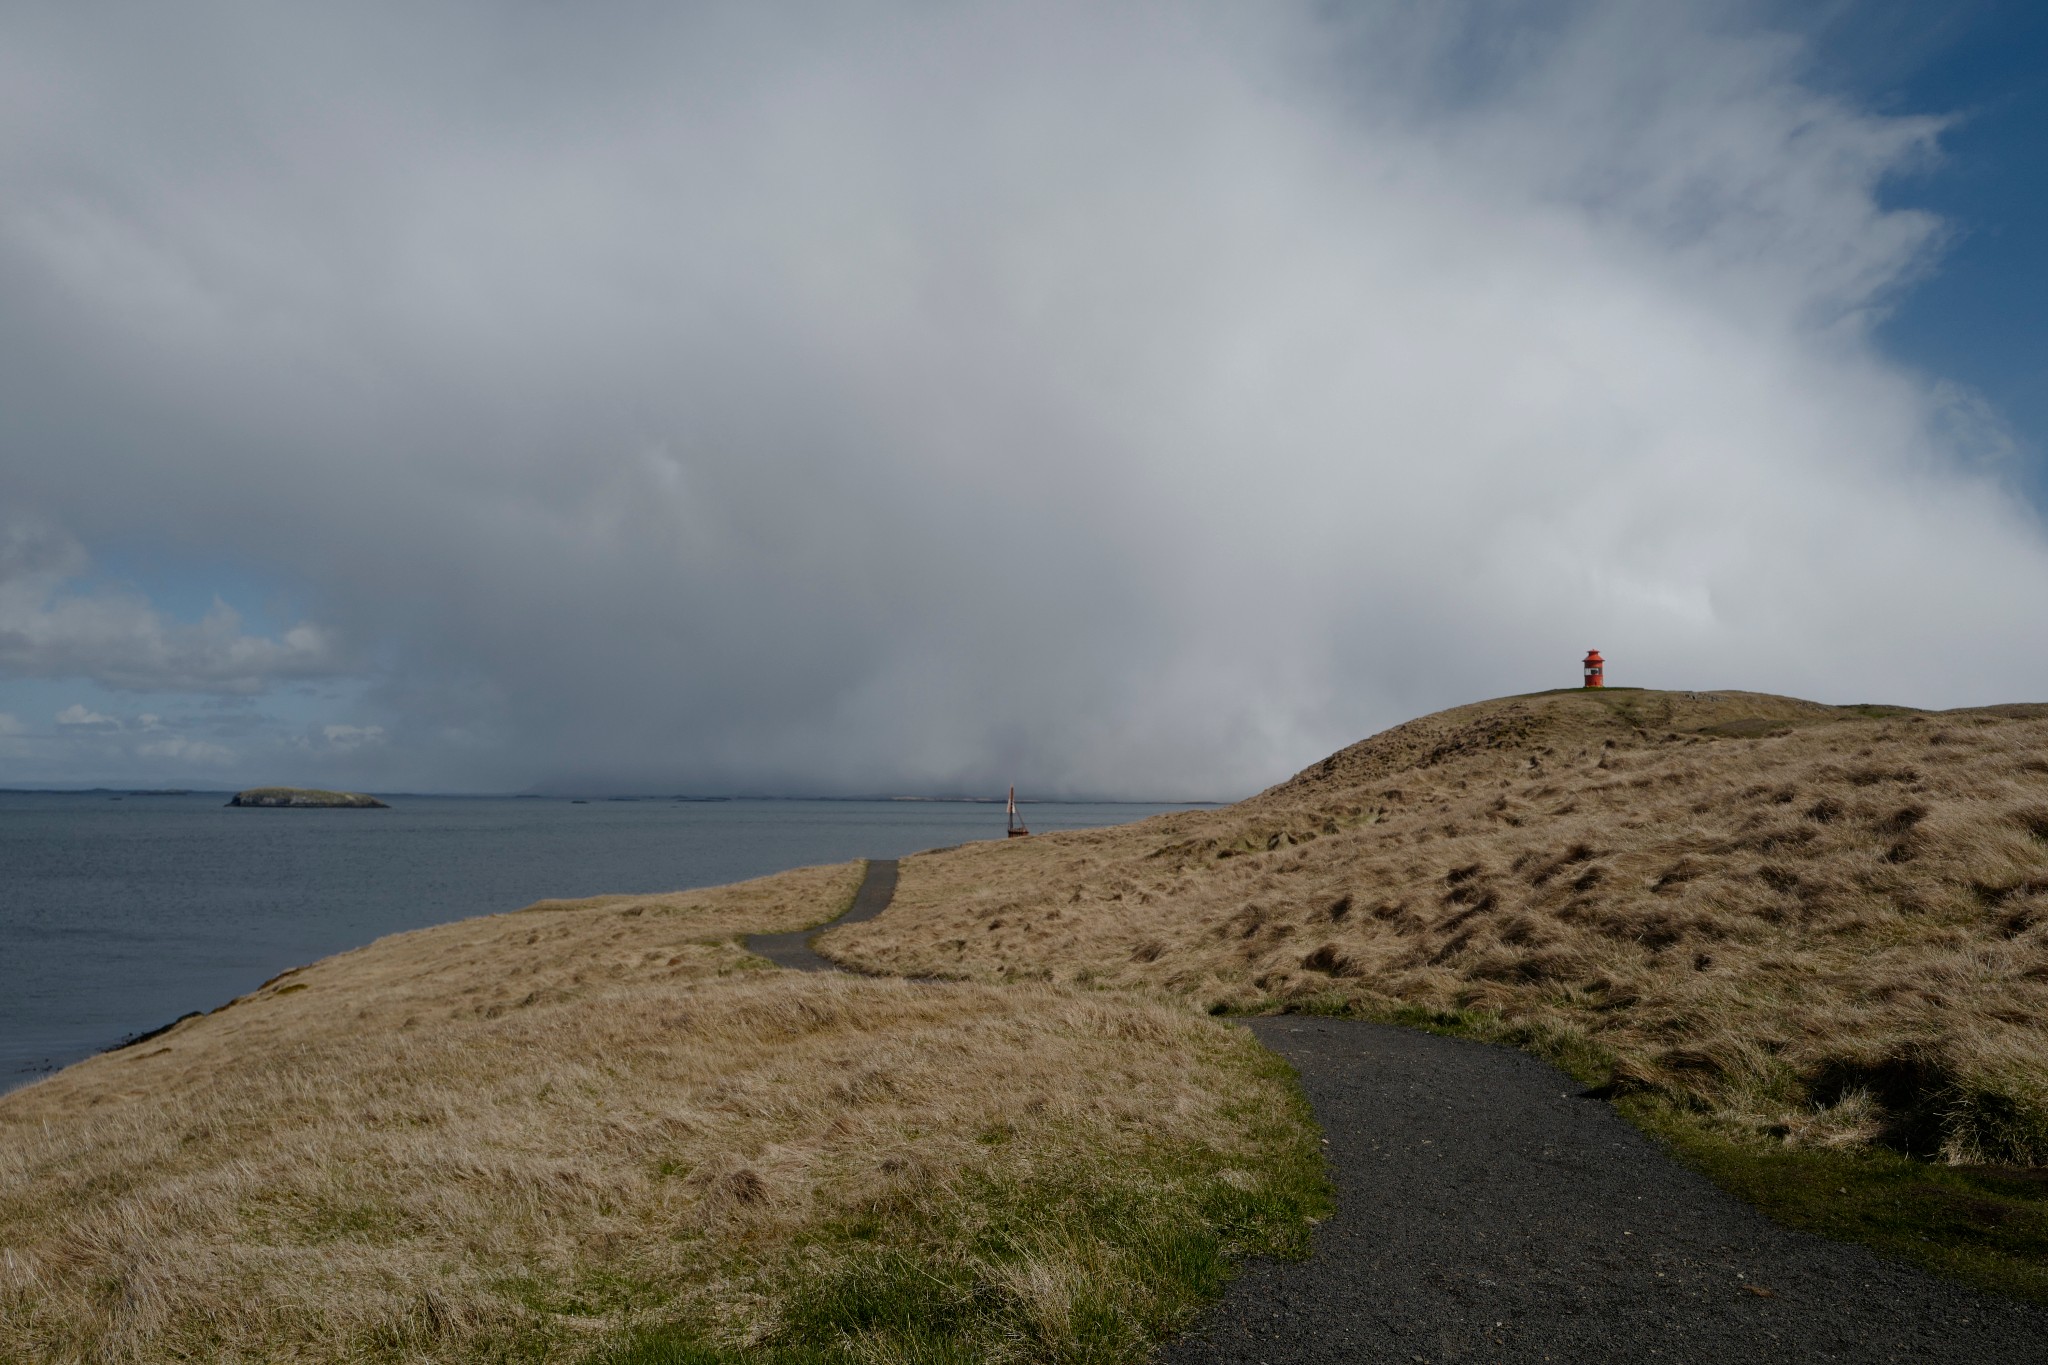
120, 912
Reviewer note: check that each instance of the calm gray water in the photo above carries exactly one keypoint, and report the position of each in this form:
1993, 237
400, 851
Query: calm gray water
118, 914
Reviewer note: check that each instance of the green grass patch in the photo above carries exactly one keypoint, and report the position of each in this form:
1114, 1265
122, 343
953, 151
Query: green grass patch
1079, 1262
1880, 711
355, 1222
1984, 1225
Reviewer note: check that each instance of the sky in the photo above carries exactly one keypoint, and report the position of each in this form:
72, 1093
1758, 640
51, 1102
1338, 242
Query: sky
1116, 399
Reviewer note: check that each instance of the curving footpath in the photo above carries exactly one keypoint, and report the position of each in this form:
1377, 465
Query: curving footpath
793, 950
1487, 1212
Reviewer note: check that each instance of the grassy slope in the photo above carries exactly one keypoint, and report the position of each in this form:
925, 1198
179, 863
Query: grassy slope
601, 1129
1808, 944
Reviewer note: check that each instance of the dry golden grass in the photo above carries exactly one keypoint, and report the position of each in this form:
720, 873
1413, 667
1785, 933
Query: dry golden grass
1824, 925
546, 1134
523, 1136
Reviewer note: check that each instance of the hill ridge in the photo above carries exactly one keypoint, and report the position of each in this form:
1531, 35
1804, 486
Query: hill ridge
1808, 928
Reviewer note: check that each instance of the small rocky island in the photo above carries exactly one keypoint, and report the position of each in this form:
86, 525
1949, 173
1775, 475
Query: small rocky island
304, 796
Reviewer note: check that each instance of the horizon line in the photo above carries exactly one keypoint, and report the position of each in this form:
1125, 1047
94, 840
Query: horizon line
109, 789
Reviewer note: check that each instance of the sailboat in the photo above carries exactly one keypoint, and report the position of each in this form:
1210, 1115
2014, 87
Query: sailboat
1017, 829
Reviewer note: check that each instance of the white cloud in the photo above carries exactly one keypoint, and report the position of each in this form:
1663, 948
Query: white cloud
188, 751
77, 715
118, 640
345, 737
1111, 397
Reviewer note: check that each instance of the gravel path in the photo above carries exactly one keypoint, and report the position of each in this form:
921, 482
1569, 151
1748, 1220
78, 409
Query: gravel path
877, 889
1486, 1213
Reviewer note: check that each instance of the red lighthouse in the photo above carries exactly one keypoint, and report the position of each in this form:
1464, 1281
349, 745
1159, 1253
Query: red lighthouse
1594, 664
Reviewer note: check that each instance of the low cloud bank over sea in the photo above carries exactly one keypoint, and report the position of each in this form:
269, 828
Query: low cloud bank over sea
1110, 399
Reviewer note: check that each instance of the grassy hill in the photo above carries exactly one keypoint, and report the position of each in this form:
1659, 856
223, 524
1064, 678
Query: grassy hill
602, 1131
1808, 943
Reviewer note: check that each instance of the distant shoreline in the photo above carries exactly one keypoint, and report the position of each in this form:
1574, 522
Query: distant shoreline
601, 796
293, 889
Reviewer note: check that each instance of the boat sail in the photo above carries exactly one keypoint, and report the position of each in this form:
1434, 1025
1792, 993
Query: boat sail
1017, 829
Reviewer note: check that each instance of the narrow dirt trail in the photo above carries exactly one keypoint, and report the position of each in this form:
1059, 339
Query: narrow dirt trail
1485, 1212
793, 950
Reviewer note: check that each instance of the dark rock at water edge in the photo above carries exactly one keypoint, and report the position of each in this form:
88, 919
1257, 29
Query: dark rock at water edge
301, 796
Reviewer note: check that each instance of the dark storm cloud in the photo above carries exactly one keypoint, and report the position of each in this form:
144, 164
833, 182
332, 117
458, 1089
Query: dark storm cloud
1123, 399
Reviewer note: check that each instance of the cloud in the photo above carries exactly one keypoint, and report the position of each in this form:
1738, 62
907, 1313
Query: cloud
1112, 398
118, 640
187, 751
347, 737
211, 740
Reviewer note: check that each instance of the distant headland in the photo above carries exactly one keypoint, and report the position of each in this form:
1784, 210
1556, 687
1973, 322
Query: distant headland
303, 796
